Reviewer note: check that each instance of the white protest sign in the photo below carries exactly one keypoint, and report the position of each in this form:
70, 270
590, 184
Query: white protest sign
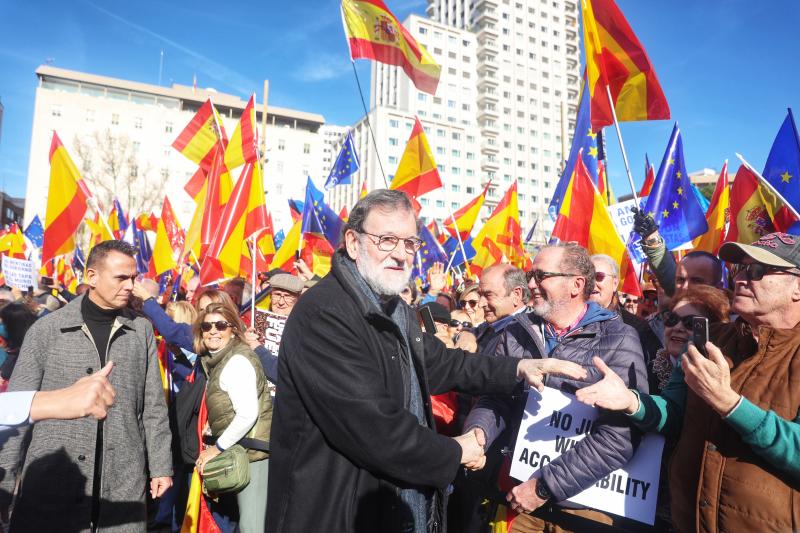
555, 422
622, 216
19, 273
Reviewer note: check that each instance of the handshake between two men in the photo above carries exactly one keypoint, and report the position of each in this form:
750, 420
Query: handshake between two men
533, 371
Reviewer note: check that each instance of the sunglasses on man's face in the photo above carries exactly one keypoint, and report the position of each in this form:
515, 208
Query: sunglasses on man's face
757, 271
220, 325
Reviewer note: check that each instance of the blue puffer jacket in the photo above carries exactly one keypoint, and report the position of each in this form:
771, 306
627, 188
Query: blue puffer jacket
612, 443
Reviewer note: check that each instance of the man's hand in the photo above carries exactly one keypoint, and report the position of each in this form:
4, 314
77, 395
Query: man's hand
481, 461
89, 396
710, 378
303, 271
251, 337
437, 279
533, 370
643, 224
159, 485
523, 499
609, 393
471, 447
466, 341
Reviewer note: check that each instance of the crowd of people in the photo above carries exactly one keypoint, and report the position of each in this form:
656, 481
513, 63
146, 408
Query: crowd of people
369, 421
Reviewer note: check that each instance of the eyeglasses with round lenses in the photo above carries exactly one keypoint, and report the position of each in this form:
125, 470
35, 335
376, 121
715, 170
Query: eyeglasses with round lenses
220, 325
387, 243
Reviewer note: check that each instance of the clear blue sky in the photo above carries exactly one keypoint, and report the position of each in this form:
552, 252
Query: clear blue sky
729, 68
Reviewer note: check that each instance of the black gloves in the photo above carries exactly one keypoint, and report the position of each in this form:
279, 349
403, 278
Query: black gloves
643, 224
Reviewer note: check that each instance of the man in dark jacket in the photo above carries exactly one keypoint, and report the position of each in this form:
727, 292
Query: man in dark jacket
565, 325
353, 447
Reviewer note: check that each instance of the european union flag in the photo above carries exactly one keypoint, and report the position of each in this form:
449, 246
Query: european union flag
582, 139
278, 239
453, 249
429, 253
782, 170
78, 260
319, 218
346, 164
672, 202
35, 232
144, 252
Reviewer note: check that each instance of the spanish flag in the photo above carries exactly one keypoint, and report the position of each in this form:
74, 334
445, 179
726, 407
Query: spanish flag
218, 190
717, 216
649, 177
417, 173
363, 192
616, 59
584, 219
12, 243
464, 219
244, 215
500, 238
98, 232
66, 203
373, 32
169, 243
199, 138
242, 146
751, 205
285, 256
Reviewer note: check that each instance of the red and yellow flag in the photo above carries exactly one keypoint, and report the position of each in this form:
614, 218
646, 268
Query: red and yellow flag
12, 243
417, 173
199, 138
244, 215
717, 216
616, 59
285, 256
500, 239
169, 243
98, 232
66, 203
242, 146
649, 178
754, 209
464, 219
218, 190
363, 192
373, 32
584, 219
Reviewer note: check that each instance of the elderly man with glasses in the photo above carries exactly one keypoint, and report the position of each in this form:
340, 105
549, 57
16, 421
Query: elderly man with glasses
565, 325
353, 442
736, 412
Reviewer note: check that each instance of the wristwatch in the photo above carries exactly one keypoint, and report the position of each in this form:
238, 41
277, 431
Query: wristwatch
542, 491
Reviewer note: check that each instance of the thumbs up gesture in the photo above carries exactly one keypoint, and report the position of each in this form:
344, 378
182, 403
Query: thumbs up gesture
610, 392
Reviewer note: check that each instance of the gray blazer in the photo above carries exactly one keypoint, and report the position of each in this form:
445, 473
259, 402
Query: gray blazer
58, 466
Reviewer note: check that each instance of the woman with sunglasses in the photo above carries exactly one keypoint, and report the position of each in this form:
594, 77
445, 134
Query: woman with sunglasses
468, 302
239, 407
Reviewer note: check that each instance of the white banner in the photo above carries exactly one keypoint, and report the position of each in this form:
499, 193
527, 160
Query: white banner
19, 273
555, 422
622, 216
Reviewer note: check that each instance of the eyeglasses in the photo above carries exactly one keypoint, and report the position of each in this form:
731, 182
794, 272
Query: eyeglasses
387, 243
220, 325
757, 271
541, 275
471, 303
456, 323
600, 276
631, 300
285, 296
671, 320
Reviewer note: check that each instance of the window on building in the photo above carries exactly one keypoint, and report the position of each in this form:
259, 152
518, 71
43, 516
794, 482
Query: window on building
422, 97
393, 141
279, 167
168, 127
455, 187
440, 133
394, 123
136, 146
470, 173
439, 150
137, 123
281, 144
115, 119
456, 153
455, 171
424, 201
456, 136
306, 148
470, 156
90, 115
439, 203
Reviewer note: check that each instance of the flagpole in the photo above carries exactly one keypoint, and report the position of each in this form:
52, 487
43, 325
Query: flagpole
622, 147
100, 215
369, 126
458, 233
253, 252
769, 185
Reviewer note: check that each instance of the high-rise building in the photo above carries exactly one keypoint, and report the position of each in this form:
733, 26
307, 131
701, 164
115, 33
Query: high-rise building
120, 132
504, 109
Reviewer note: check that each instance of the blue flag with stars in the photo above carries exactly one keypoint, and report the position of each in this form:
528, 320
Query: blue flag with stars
35, 232
453, 249
429, 253
346, 164
319, 218
672, 202
782, 170
78, 260
582, 139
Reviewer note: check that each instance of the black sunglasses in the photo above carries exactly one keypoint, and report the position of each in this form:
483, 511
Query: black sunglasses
541, 275
221, 325
455, 323
757, 271
671, 320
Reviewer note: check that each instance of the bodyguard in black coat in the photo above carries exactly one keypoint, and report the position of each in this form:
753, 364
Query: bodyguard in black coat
352, 444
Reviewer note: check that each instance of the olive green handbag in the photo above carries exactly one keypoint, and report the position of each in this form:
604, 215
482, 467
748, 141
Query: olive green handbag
228, 472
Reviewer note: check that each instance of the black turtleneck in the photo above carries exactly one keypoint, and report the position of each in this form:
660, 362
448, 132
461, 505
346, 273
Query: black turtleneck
99, 321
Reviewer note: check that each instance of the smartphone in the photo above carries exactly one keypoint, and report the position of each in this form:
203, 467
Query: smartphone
700, 334
427, 320
46, 281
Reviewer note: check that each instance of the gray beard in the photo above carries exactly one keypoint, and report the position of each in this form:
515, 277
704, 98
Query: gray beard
375, 278
547, 308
